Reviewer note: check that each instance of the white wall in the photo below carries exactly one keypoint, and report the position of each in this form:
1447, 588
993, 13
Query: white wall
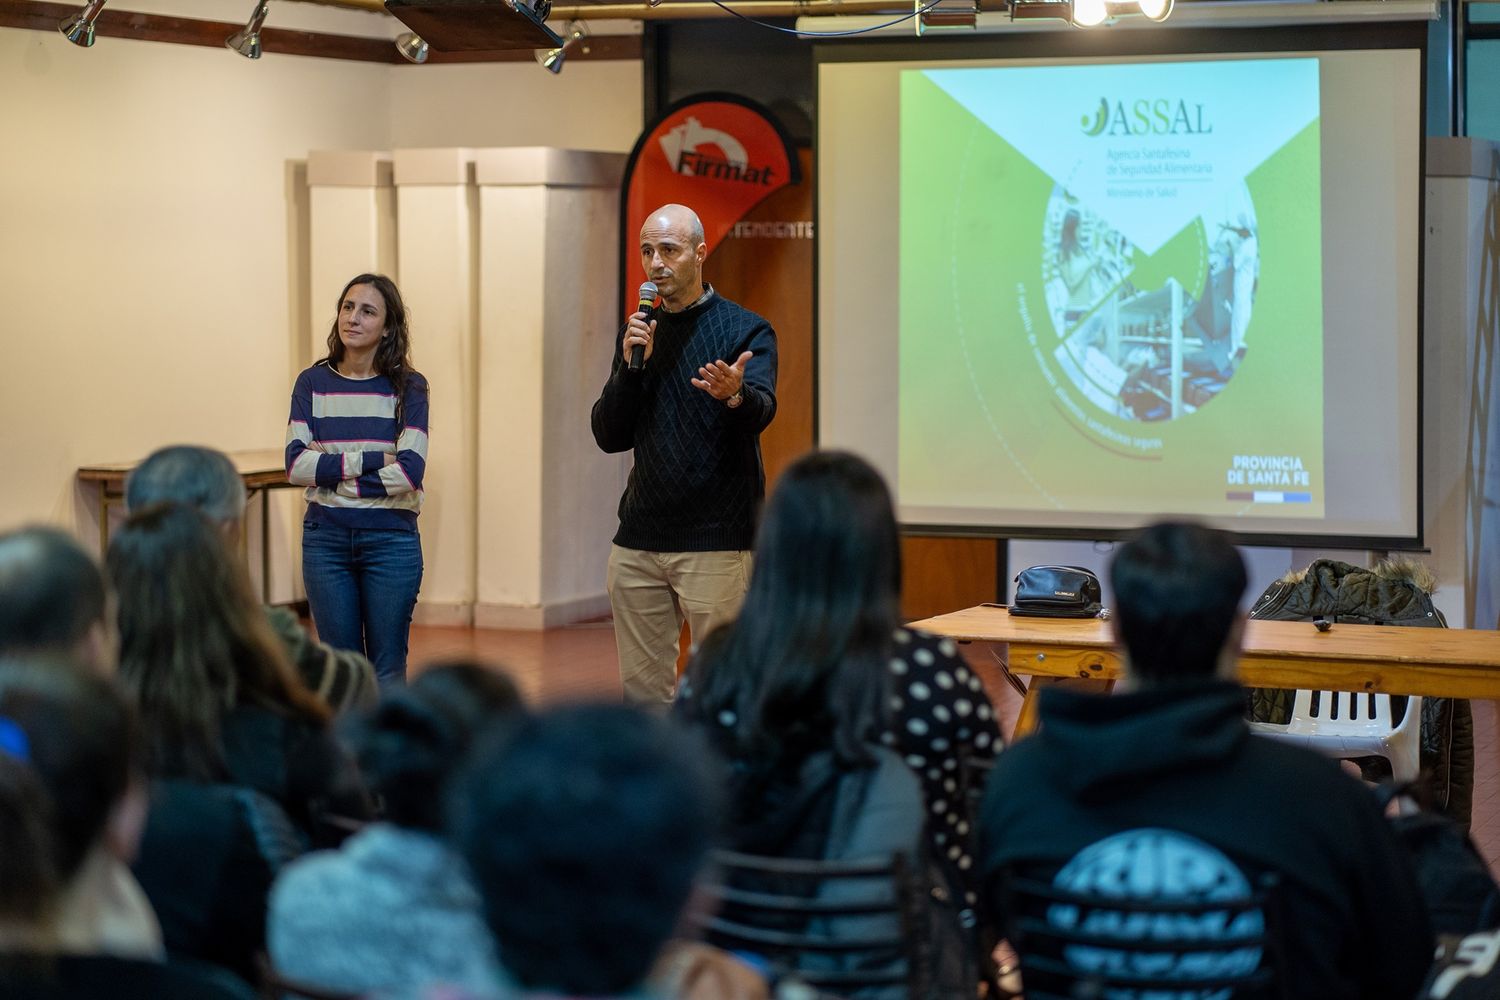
148, 248
1462, 332
154, 228
589, 105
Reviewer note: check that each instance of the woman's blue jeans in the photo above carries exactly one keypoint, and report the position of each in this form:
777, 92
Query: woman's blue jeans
362, 586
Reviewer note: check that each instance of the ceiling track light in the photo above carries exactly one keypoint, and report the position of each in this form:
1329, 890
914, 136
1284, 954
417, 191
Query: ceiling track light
79, 29
944, 14
536, 10
412, 48
552, 59
1089, 13
1157, 10
246, 41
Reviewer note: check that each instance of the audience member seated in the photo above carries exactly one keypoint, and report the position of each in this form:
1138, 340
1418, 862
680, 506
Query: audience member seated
395, 907
816, 669
218, 699
72, 800
220, 707
214, 909
822, 616
1161, 792
54, 609
206, 479
52, 600
585, 828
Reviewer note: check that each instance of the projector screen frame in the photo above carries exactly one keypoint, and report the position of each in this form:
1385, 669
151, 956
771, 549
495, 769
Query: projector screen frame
1069, 43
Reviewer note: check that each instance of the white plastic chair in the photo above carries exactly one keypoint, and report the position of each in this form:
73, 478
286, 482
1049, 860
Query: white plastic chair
1347, 724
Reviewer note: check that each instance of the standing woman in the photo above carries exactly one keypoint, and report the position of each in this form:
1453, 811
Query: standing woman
357, 440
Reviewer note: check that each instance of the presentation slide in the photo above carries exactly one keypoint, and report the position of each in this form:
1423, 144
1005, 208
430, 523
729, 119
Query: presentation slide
1067, 295
1127, 273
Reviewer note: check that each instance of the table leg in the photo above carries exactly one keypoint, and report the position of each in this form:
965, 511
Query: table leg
106, 501
103, 522
265, 546
265, 538
1026, 722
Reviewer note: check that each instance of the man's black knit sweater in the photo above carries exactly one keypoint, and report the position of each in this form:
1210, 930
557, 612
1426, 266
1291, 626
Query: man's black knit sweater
698, 481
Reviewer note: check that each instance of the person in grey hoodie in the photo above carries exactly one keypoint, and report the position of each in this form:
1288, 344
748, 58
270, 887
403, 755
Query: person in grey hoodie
395, 908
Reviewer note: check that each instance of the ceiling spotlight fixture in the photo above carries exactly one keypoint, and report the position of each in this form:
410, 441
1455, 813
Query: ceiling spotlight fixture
411, 47
945, 14
536, 10
552, 59
246, 41
79, 29
1088, 13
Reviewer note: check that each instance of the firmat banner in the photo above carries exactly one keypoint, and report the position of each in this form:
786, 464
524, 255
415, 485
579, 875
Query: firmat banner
718, 154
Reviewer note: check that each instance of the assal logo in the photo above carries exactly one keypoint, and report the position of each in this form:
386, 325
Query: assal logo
1146, 116
697, 151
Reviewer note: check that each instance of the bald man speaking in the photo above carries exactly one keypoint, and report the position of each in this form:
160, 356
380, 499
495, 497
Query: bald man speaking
693, 412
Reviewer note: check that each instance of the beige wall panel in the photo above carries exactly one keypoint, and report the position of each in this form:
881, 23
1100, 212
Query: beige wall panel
511, 319
582, 485
548, 304
435, 249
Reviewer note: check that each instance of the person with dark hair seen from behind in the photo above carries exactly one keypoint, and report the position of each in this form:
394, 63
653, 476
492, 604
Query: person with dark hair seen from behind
818, 661
206, 479
72, 800
1163, 788
395, 908
218, 698
246, 769
357, 439
692, 412
585, 827
53, 600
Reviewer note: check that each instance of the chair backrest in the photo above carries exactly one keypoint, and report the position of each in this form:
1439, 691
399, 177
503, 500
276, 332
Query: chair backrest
1352, 707
973, 775
846, 927
214, 908
1080, 945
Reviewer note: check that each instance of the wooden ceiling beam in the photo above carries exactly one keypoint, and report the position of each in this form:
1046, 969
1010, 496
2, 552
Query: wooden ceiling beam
38, 15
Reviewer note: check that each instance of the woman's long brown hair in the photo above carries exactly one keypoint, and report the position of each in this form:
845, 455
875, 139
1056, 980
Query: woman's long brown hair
194, 641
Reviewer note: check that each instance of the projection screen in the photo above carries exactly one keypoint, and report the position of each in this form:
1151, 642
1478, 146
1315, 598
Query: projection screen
1068, 294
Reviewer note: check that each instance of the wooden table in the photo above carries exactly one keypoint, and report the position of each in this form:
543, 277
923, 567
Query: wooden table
1453, 663
262, 472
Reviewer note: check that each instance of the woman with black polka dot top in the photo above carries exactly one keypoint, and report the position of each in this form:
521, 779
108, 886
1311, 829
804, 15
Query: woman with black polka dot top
939, 717
817, 662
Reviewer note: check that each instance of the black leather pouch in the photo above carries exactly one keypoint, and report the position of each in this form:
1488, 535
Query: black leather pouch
1057, 592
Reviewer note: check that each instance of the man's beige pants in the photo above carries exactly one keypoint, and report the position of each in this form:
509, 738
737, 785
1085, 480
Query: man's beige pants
652, 593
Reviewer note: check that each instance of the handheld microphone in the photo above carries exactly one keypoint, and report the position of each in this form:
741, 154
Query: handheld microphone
648, 306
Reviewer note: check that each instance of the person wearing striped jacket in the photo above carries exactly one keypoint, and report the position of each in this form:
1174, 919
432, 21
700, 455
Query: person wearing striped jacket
357, 439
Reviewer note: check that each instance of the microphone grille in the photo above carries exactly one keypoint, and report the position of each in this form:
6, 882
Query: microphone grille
648, 290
